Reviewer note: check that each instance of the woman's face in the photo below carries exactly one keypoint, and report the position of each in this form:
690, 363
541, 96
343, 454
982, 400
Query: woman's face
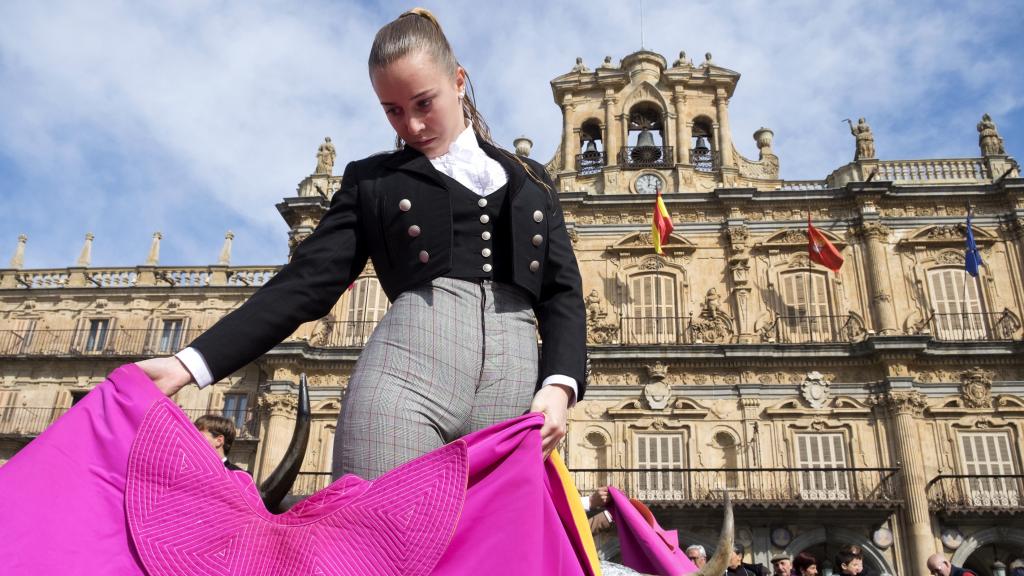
811, 570
421, 102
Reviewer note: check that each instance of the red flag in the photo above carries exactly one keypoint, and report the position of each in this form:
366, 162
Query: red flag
661, 227
820, 250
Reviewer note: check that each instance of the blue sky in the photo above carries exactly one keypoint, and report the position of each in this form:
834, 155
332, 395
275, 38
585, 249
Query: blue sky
193, 117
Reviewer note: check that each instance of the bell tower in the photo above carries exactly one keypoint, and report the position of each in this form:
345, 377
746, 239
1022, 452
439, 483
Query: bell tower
641, 125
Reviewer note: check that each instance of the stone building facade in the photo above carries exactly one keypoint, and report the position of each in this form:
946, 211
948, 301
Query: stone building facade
882, 405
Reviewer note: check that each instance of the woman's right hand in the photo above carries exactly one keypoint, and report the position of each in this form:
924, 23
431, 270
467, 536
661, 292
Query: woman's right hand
168, 373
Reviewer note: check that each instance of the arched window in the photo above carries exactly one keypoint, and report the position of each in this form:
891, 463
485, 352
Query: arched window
602, 459
704, 154
730, 456
652, 316
806, 311
646, 139
592, 159
956, 305
367, 304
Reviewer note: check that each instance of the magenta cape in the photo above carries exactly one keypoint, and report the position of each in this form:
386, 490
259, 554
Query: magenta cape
647, 547
124, 484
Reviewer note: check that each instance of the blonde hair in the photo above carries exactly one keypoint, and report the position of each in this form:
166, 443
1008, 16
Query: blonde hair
418, 31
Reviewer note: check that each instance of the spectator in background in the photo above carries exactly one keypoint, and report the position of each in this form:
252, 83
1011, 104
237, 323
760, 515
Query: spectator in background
220, 433
697, 554
1017, 567
738, 568
848, 563
805, 565
939, 566
782, 565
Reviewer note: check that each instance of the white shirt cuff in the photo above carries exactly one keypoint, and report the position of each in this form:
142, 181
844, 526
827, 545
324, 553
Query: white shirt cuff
196, 366
586, 503
565, 381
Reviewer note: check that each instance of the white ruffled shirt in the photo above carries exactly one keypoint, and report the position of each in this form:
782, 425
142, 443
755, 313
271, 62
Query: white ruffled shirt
467, 164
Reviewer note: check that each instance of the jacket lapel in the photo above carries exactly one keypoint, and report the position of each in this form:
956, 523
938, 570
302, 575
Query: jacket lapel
411, 160
516, 175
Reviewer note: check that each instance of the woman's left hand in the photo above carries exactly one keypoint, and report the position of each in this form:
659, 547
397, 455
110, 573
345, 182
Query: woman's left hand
553, 402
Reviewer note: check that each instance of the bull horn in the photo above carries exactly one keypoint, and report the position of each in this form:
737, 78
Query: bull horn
280, 481
718, 563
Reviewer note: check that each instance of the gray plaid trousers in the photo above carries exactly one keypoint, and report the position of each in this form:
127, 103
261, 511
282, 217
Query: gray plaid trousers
449, 358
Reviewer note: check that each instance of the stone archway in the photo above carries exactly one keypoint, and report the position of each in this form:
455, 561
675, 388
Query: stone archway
997, 535
836, 535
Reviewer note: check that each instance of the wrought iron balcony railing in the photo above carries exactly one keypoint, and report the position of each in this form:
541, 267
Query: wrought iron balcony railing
29, 421
776, 487
342, 334
705, 160
94, 341
589, 163
814, 329
636, 157
977, 493
655, 330
965, 326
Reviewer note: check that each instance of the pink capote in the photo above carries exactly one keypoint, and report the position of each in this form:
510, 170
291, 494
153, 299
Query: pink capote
124, 484
645, 547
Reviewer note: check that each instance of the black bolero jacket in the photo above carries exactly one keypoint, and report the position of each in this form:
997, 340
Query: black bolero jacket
365, 220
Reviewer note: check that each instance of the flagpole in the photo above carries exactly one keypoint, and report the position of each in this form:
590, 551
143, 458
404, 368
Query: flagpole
810, 268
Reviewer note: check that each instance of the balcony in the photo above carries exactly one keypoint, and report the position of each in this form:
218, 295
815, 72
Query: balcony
93, 342
976, 494
342, 334
30, 421
589, 163
637, 157
816, 329
973, 326
705, 159
848, 488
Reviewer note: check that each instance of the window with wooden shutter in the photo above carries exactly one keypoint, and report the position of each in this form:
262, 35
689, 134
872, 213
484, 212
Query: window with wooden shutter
653, 316
96, 335
662, 453
816, 452
956, 304
806, 315
171, 333
989, 454
367, 304
18, 339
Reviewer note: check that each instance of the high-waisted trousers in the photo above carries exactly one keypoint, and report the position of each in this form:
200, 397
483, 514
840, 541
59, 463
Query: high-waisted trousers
449, 358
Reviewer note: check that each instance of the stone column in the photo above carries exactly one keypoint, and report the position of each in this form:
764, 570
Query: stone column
76, 273
682, 127
902, 408
18, 260
219, 273
278, 412
153, 258
877, 265
611, 138
724, 134
568, 147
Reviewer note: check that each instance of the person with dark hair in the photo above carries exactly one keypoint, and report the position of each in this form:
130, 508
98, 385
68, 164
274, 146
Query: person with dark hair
737, 567
805, 565
470, 245
848, 562
220, 433
938, 566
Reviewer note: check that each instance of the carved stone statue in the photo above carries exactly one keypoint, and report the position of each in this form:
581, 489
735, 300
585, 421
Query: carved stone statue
325, 158
713, 324
865, 139
594, 311
989, 140
580, 66
712, 304
682, 61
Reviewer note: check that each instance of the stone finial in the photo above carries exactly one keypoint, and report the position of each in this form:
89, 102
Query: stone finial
225, 250
154, 250
85, 257
523, 146
607, 62
989, 140
18, 260
325, 156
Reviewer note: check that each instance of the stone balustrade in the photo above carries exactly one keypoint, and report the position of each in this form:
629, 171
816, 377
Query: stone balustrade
162, 276
934, 171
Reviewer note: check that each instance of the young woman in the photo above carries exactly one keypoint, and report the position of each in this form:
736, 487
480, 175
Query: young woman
469, 243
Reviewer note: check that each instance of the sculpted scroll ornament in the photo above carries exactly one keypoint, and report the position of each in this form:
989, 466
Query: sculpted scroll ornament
903, 402
278, 404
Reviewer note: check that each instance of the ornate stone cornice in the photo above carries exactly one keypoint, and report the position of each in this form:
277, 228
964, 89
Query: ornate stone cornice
874, 231
898, 402
278, 404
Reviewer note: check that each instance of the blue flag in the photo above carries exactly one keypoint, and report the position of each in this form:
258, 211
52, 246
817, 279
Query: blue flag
972, 259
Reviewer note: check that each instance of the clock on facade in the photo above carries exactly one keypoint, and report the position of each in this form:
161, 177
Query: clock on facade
649, 184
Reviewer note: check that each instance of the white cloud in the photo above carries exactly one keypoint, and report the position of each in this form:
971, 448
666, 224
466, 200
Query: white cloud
194, 117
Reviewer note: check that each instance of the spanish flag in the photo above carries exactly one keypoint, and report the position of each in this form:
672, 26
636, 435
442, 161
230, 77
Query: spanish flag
661, 227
